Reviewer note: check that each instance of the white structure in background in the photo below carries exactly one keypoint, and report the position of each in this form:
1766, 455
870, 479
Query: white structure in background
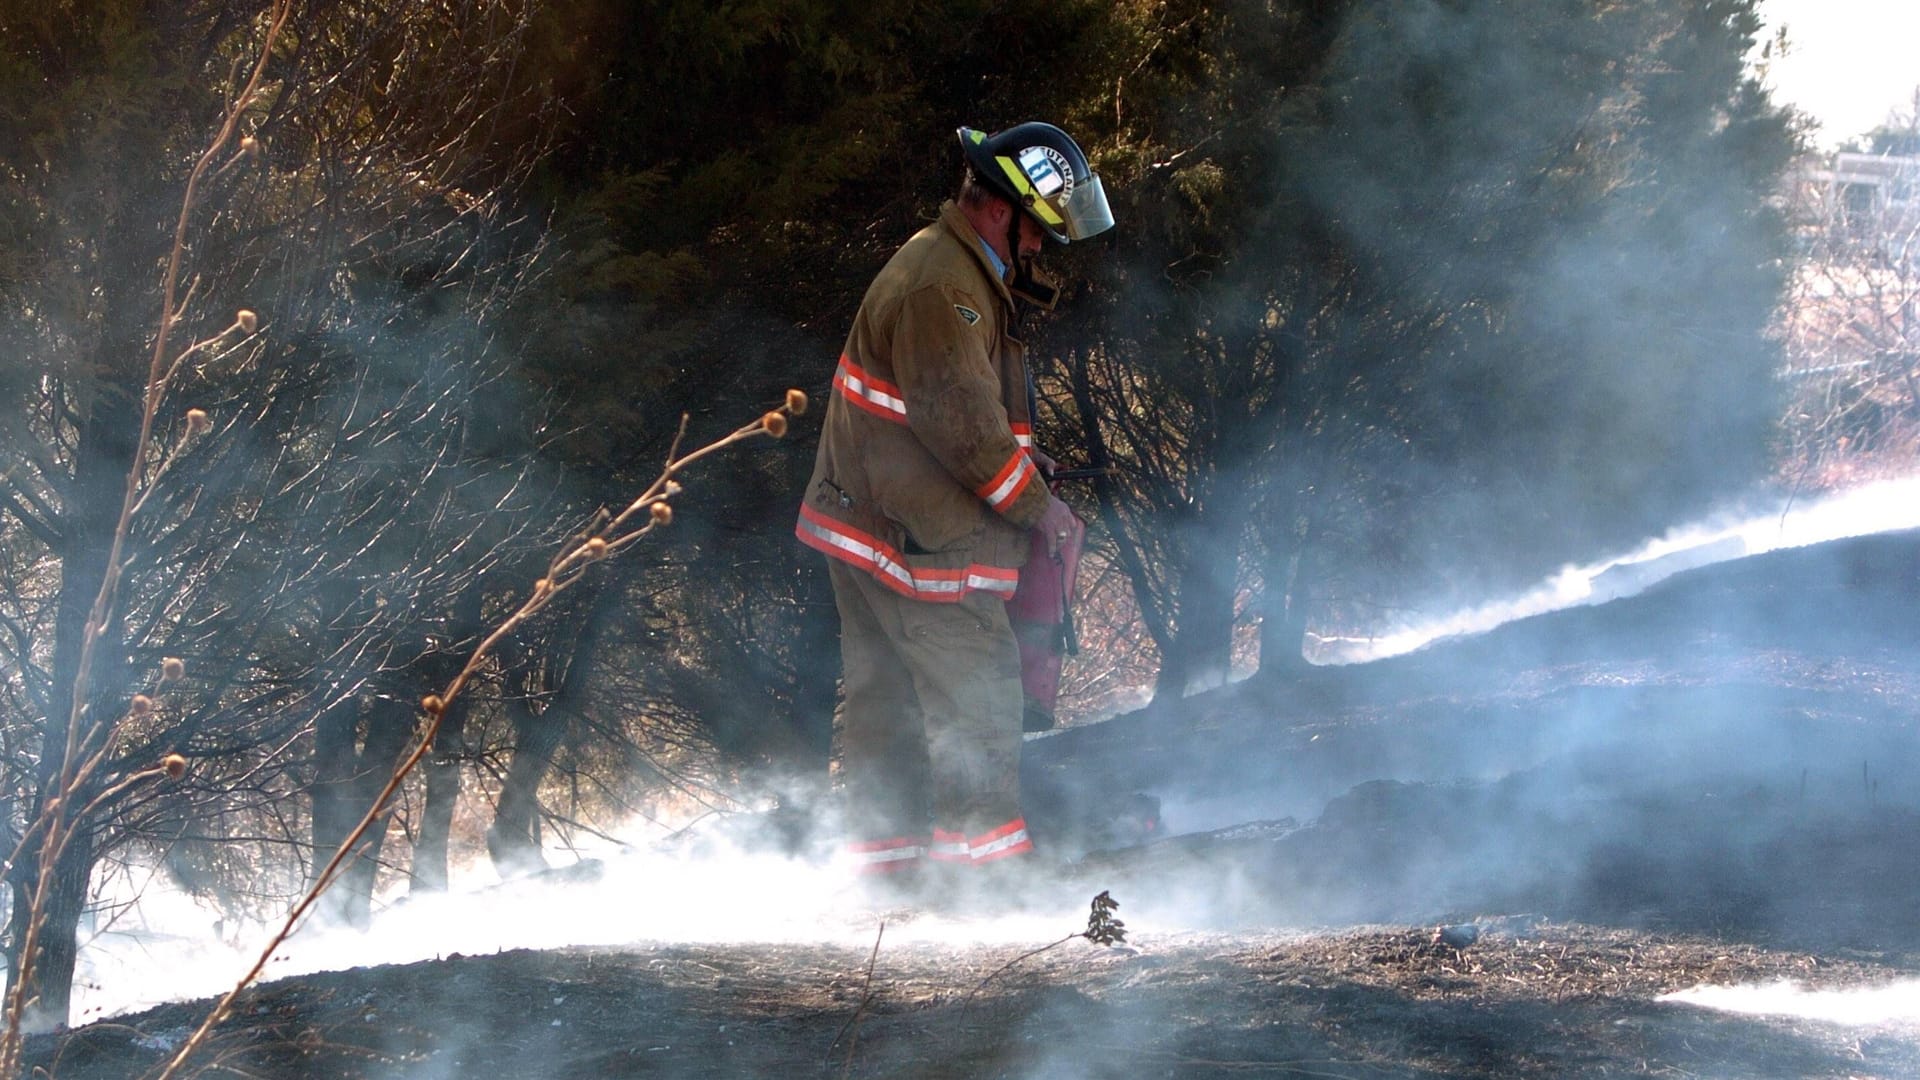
1849, 327
1865, 191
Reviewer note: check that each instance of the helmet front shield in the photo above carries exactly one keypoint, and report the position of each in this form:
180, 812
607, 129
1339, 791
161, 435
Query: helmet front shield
1086, 210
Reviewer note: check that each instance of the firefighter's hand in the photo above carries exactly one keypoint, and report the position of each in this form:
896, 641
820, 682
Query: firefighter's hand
1045, 464
1057, 522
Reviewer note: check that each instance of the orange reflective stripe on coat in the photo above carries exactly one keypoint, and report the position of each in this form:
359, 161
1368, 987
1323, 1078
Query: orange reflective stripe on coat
1009, 482
877, 396
850, 545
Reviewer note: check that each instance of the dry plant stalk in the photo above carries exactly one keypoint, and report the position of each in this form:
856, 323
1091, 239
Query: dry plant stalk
56, 821
608, 536
1102, 929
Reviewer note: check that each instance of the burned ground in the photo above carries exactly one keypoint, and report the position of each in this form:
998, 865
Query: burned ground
1486, 859
1538, 999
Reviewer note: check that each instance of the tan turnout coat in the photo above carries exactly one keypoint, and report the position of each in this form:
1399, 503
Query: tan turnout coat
923, 477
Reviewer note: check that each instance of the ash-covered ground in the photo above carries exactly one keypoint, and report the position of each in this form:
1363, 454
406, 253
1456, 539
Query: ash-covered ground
1496, 857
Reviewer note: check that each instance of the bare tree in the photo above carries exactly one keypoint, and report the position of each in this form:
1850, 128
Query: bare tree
299, 558
1850, 325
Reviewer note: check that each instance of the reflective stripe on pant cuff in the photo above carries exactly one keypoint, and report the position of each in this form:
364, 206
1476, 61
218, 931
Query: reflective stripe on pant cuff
886, 856
1008, 839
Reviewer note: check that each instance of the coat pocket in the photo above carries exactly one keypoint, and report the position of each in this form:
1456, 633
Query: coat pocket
954, 624
945, 548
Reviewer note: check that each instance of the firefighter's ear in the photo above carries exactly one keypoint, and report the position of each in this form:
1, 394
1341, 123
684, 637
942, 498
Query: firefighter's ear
999, 213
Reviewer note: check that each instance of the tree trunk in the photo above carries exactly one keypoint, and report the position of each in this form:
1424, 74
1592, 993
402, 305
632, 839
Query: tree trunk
816, 682
349, 772
443, 767
1285, 604
1283, 637
68, 889
1126, 549
1203, 639
103, 452
1201, 654
513, 840
448, 757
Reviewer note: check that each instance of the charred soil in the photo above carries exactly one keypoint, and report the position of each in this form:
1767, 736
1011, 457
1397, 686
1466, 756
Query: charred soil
1490, 858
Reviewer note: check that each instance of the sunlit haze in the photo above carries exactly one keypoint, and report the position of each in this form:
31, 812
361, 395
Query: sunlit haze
1849, 62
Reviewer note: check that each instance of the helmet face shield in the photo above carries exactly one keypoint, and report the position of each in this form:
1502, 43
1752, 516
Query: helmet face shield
1086, 209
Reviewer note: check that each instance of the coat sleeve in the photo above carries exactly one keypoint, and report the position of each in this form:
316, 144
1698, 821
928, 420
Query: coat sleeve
954, 407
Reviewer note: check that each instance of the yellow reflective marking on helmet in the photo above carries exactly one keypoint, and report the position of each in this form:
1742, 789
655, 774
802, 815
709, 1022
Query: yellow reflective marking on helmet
1024, 186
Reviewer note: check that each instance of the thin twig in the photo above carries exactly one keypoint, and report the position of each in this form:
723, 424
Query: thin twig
866, 999
1013, 963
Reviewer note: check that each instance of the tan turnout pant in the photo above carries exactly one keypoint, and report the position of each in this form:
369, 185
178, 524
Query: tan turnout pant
930, 735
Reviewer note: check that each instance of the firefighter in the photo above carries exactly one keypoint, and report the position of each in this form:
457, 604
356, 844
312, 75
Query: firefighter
922, 497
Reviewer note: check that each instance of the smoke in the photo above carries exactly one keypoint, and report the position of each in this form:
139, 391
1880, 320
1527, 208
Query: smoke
169, 946
1894, 1003
1734, 759
1881, 507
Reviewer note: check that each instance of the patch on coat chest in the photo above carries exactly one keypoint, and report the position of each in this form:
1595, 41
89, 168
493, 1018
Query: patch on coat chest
967, 313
